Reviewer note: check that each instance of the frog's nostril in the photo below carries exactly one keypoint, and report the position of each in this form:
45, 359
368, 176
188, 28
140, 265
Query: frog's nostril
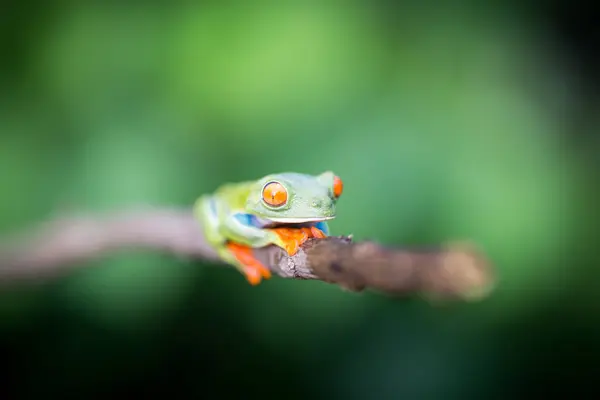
316, 203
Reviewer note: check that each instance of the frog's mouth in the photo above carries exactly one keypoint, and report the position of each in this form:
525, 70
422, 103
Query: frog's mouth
273, 222
299, 220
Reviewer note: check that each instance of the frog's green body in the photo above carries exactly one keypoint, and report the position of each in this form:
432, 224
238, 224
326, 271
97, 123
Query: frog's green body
248, 214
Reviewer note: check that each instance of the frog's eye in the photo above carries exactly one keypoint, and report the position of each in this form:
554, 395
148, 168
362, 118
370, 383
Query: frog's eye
274, 194
338, 186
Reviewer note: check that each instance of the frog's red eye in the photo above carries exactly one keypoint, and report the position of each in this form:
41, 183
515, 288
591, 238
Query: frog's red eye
274, 194
338, 186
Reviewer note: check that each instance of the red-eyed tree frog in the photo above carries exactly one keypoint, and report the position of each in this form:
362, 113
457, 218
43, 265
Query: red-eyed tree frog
282, 209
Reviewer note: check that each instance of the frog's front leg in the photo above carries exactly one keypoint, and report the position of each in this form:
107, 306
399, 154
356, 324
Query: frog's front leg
290, 239
245, 232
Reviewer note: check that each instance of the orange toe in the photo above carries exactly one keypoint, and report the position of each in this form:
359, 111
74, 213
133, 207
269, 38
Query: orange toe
256, 273
292, 247
317, 233
252, 275
264, 271
253, 269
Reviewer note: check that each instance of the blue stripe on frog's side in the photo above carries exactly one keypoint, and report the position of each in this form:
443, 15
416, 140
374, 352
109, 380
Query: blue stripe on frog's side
250, 220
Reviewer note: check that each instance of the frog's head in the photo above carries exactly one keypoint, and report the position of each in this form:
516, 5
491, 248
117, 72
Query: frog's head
295, 198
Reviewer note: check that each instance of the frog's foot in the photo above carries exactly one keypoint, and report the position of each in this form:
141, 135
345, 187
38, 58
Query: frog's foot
251, 268
292, 238
317, 233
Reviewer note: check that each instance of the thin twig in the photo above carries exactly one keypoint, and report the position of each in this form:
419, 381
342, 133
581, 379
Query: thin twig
56, 247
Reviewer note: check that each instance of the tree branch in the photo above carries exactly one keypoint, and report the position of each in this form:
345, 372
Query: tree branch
58, 246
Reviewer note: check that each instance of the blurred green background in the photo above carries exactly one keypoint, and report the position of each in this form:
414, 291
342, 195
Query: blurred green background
446, 120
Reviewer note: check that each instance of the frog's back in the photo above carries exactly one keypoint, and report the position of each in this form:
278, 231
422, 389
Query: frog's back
234, 195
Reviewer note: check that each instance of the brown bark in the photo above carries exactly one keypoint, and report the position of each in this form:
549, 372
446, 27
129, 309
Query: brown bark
56, 247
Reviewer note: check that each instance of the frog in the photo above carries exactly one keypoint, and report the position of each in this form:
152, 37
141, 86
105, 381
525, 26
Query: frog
281, 209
